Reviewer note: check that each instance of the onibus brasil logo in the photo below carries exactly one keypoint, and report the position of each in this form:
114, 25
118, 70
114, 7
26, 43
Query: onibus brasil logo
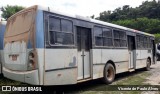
21, 88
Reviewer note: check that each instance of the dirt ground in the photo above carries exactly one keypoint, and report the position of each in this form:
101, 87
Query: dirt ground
154, 78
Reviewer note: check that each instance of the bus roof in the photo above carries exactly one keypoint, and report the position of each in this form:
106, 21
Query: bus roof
84, 18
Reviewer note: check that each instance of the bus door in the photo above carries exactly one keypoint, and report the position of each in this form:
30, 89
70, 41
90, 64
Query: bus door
84, 46
132, 51
153, 51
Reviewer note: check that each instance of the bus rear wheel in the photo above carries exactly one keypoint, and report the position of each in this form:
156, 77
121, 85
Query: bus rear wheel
148, 65
109, 74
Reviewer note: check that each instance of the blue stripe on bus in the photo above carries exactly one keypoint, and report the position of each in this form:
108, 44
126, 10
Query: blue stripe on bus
39, 30
2, 30
29, 44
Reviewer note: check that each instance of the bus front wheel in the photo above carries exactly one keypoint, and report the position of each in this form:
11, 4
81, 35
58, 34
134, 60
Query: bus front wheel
109, 73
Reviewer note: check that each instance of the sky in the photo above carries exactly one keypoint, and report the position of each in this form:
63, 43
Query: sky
78, 7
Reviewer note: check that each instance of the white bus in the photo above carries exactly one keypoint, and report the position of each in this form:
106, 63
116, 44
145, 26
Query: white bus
46, 47
2, 30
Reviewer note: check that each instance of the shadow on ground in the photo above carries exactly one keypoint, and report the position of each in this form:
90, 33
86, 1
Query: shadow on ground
92, 85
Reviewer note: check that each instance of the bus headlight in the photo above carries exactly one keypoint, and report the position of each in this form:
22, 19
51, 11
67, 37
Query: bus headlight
30, 65
31, 61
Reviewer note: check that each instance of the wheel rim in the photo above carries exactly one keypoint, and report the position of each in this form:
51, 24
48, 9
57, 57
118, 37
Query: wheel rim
110, 73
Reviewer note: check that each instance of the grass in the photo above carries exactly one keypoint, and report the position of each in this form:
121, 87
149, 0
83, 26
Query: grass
135, 78
7, 82
96, 86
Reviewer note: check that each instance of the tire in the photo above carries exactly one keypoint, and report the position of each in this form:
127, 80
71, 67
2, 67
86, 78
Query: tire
109, 74
148, 65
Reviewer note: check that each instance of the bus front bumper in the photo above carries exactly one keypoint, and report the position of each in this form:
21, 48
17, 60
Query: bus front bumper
30, 77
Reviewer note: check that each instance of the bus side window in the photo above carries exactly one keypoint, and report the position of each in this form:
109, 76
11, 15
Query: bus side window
123, 41
60, 31
141, 42
145, 43
54, 24
119, 38
66, 25
107, 37
116, 38
98, 36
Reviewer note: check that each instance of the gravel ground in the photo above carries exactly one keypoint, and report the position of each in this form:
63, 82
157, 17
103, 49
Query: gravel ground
154, 78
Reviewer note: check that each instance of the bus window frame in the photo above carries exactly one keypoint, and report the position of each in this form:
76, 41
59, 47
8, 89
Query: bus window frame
112, 30
144, 48
48, 32
102, 27
126, 47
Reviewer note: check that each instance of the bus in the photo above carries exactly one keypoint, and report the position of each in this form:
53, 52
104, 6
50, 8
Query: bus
2, 30
46, 47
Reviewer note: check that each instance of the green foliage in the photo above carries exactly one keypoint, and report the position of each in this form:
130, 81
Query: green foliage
10, 10
149, 9
157, 38
143, 24
145, 18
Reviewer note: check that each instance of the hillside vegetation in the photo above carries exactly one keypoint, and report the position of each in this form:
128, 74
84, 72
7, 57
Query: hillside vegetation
145, 17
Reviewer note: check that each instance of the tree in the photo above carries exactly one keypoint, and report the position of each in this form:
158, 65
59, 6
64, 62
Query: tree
92, 16
10, 10
149, 9
157, 38
143, 24
145, 17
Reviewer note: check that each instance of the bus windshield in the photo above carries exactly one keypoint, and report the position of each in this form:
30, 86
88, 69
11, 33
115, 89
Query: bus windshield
19, 24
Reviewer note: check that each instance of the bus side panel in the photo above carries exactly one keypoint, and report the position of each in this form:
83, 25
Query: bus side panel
120, 57
2, 30
138, 59
142, 56
60, 66
101, 57
98, 66
40, 45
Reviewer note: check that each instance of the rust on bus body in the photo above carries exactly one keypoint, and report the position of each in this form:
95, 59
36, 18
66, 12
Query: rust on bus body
21, 27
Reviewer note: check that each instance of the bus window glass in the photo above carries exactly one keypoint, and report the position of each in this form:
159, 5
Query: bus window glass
107, 33
116, 42
54, 24
145, 42
108, 42
122, 35
98, 31
149, 42
98, 36
123, 43
138, 41
66, 25
107, 37
141, 42
116, 34
61, 31
58, 38
119, 38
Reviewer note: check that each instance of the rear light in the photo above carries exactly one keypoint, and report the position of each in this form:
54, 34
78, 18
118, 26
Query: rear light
31, 61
